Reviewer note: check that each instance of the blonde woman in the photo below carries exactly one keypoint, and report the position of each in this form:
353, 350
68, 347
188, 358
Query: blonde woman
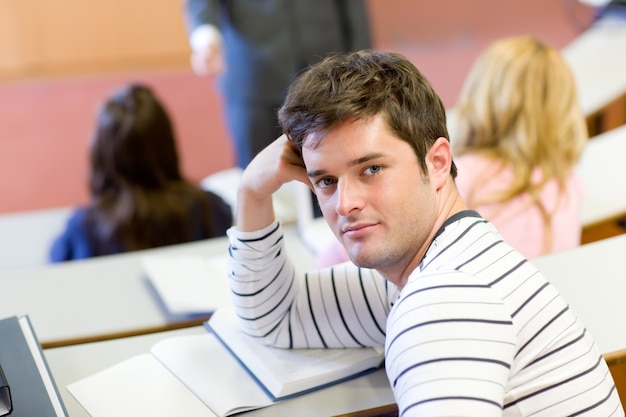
519, 132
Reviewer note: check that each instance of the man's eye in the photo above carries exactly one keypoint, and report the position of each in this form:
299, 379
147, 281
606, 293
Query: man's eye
325, 182
374, 169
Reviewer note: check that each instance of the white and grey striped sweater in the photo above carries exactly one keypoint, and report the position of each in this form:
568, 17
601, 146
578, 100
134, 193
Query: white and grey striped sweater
476, 331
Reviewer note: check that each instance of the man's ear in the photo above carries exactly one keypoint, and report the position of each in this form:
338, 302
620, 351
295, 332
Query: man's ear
439, 161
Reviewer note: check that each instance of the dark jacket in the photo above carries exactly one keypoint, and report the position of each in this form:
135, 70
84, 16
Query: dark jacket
266, 42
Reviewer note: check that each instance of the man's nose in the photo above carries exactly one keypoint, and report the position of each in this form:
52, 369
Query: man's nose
349, 197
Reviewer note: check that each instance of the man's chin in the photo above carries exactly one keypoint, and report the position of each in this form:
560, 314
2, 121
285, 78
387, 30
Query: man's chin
361, 259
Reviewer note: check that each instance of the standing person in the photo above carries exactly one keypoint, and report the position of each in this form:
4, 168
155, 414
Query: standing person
258, 46
470, 326
139, 198
519, 133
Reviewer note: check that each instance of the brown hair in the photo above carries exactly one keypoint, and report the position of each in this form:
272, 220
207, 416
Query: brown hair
139, 199
363, 84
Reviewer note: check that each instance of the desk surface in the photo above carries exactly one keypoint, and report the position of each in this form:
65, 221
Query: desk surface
26, 237
592, 278
105, 296
71, 363
603, 171
598, 63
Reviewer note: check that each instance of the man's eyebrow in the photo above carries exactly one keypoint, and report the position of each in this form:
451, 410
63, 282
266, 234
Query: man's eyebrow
355, 162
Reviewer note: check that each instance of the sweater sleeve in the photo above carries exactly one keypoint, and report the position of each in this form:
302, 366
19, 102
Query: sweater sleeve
342, 306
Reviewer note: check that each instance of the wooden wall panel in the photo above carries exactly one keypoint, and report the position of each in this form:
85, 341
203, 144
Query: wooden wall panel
11, 48
68, 37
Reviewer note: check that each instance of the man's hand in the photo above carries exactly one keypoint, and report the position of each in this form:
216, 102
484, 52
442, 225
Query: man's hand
279, 163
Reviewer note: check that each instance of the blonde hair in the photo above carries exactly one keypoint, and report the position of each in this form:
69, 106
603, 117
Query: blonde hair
519, 106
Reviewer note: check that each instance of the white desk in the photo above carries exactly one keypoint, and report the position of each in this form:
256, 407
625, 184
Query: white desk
102, 296
26, 237
71, 363
602, 169
592, 278
598, 60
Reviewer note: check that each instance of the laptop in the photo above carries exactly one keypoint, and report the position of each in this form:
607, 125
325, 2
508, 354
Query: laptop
312, 228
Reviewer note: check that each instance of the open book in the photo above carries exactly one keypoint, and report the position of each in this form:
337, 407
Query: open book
283, 373
196, 375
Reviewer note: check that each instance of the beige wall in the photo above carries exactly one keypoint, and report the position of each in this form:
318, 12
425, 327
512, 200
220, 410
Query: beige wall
69, 37
42, 38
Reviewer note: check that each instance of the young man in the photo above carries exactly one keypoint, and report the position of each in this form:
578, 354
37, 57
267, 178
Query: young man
470, 327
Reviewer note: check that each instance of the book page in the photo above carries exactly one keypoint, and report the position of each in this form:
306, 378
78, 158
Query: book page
189, 284
203, 364
139, 386
286, 372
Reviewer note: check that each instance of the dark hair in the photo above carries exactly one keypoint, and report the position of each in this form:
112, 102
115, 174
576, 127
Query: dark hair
359, 85
139, 199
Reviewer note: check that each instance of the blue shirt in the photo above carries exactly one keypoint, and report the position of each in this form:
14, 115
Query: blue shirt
79, 240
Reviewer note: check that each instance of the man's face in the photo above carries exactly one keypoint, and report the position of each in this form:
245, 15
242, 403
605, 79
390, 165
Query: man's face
373, 194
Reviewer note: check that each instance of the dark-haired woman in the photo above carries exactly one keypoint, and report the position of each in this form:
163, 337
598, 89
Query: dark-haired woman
139, 198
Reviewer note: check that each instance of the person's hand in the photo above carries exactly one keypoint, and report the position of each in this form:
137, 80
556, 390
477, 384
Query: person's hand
208, 60
279, 163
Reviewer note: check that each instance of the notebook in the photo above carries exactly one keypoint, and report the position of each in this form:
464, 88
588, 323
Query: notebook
187, 286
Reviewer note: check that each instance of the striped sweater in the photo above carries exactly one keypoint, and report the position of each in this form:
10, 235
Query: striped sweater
476, 331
